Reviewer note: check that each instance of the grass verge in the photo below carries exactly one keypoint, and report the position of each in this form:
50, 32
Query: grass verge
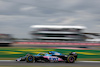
16, 52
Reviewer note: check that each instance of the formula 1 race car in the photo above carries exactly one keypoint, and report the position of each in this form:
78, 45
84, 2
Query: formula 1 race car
52, 56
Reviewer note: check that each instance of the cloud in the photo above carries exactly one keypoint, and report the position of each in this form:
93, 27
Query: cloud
18, 15
27, 8
68, 20
98, 25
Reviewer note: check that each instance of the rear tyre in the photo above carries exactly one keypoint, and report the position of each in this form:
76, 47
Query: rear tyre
74, 54
70, 59
30, 59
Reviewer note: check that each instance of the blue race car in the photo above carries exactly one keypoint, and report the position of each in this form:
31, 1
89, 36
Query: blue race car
52, 56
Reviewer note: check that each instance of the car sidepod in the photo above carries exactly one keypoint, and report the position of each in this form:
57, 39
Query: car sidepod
53, 58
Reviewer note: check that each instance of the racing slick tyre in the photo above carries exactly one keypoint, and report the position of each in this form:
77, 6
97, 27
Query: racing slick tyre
70, 59
74, 54
30, 59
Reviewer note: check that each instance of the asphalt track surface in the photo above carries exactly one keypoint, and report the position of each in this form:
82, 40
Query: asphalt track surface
77, 63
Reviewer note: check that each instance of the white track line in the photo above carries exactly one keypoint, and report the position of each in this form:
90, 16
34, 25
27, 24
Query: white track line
89, 61
6, 60
76, 61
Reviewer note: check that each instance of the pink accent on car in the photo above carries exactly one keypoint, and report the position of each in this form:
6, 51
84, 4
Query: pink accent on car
71, 60
53, 58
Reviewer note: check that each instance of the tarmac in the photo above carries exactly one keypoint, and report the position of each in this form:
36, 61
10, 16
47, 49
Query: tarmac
77, 63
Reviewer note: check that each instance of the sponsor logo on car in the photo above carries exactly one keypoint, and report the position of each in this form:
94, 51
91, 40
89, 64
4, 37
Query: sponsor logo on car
53, 58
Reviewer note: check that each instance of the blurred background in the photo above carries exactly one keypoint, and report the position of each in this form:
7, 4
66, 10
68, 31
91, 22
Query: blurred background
34, 26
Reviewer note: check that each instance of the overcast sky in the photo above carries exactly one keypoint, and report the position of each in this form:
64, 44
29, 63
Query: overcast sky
16, 16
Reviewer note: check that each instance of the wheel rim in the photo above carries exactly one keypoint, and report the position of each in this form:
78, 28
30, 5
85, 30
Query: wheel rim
30, 58
71, 59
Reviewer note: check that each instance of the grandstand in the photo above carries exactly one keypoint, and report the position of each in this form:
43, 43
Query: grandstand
5, 39
55, 32
93, 37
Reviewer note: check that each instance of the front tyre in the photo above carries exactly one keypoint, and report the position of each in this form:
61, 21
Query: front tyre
70, 59
30, 59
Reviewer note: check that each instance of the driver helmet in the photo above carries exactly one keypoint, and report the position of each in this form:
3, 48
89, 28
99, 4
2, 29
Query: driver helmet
50, 52
73, 52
